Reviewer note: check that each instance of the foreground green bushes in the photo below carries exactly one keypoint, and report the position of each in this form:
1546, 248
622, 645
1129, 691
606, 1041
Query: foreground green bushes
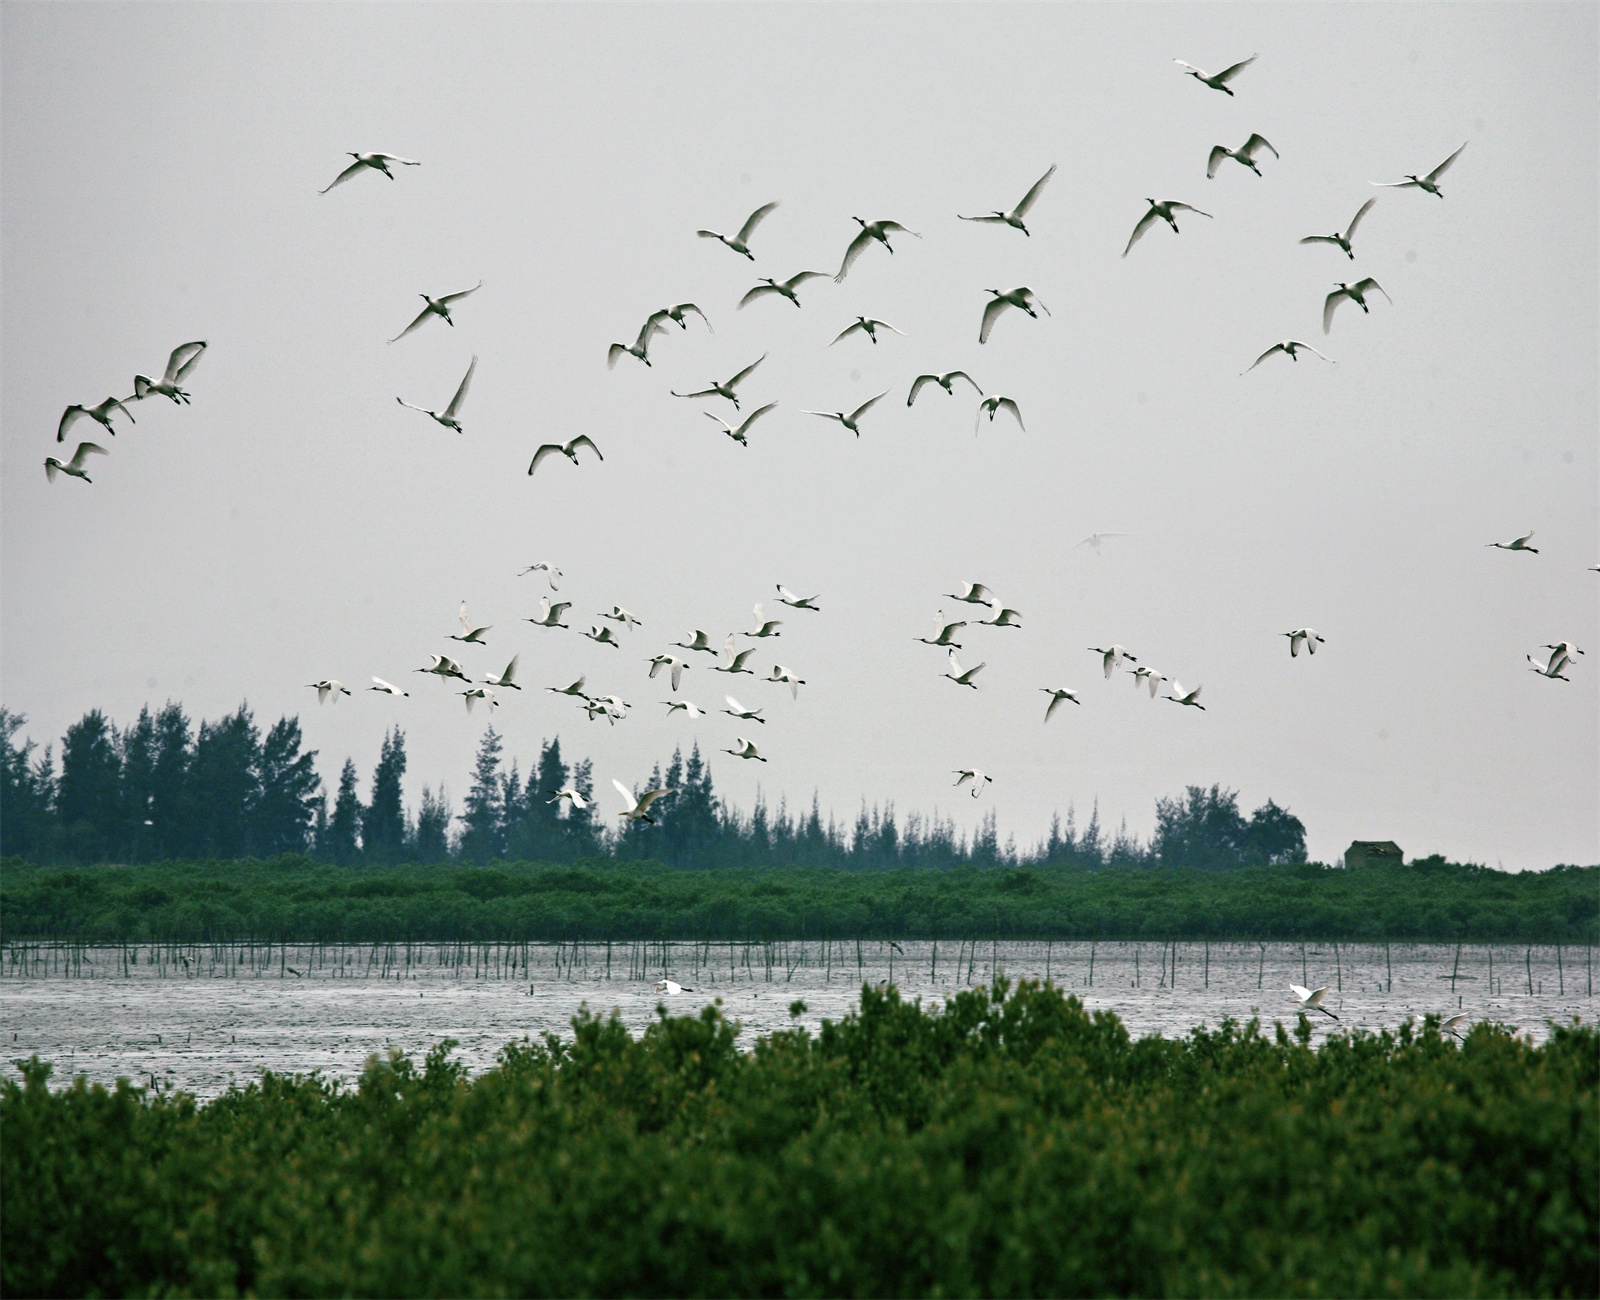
1012, 1144
295, 899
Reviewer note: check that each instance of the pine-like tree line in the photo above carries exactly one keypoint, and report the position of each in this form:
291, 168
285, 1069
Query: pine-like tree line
162, 789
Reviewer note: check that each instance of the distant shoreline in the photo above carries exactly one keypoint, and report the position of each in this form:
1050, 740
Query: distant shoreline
298, 900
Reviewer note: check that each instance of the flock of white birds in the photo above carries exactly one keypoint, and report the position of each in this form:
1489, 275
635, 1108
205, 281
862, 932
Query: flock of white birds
733, 656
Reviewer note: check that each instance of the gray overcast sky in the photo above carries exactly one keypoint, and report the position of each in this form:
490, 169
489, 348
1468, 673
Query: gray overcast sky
161, 167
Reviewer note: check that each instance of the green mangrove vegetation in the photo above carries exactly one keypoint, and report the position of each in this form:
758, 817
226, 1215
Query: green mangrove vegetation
299, 900
1007, 1143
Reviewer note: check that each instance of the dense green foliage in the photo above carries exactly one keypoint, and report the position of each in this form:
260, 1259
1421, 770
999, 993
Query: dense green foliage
1009, 1144
300, 900
154, 791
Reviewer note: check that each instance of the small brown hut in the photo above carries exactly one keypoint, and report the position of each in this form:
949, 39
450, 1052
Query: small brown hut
1371, 853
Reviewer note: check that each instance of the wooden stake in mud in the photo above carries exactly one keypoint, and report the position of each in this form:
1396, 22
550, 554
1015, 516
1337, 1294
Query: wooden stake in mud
1561, 977
1261, 965
1455, 968
1091, 965
1388, 971
1338, 967
1529, 960
1208, 963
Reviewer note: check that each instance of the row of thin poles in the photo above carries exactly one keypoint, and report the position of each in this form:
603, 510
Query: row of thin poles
752, 959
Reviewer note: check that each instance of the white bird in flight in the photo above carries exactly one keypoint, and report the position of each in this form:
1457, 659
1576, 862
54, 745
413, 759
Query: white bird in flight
1343, 241
1093, 540
550, 615
1181, 696
576, 689
685, 706
551, 573
443, 666
567, 792
1161, 211
387, 688
603, 635
1449, 1026
743, 748
1015, 216
783, 288
1430, 182
670, 987
439, 307
787, 597
658, 662
378, 162
943, 633
1291, 349
1245, 155
993, 404
870, 230
1311, 998
1550, 668
641, 345
976, 776
1356, 293
1147, 677
448, 416
1002, 618
506, 678
740, 243
726, 387
475, 693
945, 381
741, 435
469, 634
973, 593
1563, 650
676, 315
1218, 80
852, 420
329, 686
1304, 636
698, 640
100, 414
638, 810
1517, 544
623, 616
1021, 296
569, 450
869, 326
733, 661
962, 676
737, 710
183, 359
765, 626
795, 682
609, 707
1111, 657
1057, 694
75, 466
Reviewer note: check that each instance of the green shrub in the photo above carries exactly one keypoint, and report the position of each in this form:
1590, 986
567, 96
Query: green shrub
1010, 1143
297, 900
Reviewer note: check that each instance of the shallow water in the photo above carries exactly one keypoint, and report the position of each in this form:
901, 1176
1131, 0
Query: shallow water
202, 1018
